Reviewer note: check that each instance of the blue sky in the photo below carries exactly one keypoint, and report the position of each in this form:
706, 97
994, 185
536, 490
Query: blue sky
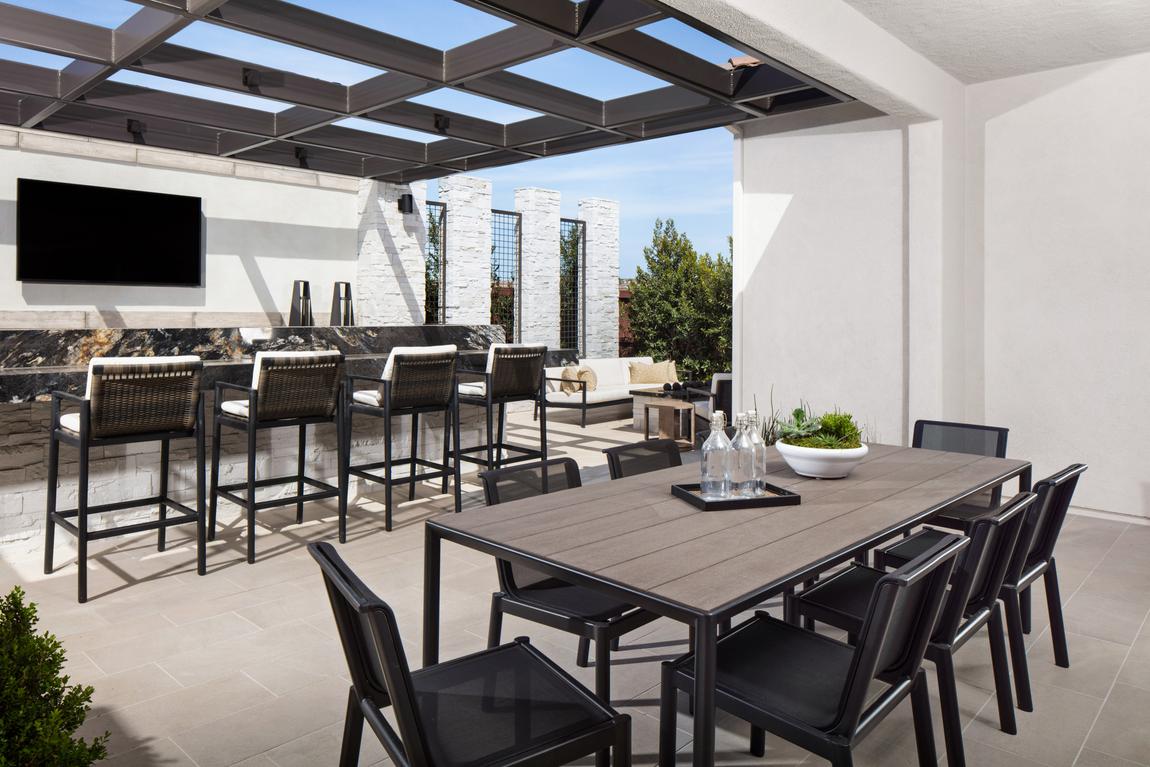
686, 177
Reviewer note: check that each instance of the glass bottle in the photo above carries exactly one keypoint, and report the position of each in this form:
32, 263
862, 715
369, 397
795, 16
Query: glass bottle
743, 461
760, 449
715, 482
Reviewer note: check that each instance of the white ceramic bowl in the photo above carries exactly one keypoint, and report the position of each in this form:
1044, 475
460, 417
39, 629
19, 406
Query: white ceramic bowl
821, 463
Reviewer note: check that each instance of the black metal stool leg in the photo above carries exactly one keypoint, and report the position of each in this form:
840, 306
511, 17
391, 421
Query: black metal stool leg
299, 467
1057, 625
82, 523
343, 461
490, 436
387, 472
502, 437
201, 501
446, 449
213, 492
455, 459
49, 519
1018, 651
1024, 605
543, 433
165, 455
250, 506
414, 456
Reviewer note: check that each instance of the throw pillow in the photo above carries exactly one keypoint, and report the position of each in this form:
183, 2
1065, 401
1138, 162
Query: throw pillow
654, 373
573, 373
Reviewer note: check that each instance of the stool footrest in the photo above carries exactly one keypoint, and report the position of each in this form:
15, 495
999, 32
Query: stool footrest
325, 491
183, 515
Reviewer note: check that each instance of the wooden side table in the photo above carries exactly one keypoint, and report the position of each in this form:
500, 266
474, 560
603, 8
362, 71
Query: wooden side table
670, 411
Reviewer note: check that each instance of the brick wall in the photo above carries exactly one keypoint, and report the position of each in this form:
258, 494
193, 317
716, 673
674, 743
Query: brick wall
391, 270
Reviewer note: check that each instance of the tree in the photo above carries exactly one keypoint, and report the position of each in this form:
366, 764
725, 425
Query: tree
570, 246
681, 304
39, 710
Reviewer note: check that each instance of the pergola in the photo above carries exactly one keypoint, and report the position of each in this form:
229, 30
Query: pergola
80, 99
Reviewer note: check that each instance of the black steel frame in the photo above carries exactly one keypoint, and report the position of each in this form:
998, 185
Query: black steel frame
79, 99
448, 469
439, 246
501, 241
577, 315
251, 426
582, 405
84, 442
705, 623
494, 447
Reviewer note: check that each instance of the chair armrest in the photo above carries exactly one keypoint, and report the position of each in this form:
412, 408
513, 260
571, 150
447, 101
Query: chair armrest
353, 380
221, 385
476, 375
63, 395
549, 378
702, 393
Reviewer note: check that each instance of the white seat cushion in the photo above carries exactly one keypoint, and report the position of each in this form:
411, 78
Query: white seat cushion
70, 422
262, 356
368, 397
107, 361
236, 407
414, 350
473, 389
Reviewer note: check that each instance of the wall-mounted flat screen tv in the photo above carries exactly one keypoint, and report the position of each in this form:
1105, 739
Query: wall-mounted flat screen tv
95, 235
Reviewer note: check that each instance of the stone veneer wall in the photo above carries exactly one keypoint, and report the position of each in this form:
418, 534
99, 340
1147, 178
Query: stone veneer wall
539, 282
602, 264
468, 292
391, 271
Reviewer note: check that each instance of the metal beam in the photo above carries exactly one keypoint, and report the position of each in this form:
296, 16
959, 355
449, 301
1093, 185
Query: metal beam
432, 121
496, 52
383, 90
54, 34
599, 19
121, 97
81, 120
540, 97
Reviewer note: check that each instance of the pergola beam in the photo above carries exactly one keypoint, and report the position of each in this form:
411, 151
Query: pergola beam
496, 52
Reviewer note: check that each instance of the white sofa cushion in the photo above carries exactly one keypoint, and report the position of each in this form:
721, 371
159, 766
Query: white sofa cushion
70, 422
236, 407
473, 389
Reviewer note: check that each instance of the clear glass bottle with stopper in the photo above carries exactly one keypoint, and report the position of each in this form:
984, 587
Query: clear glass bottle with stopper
760, 452
715, 482
742, 460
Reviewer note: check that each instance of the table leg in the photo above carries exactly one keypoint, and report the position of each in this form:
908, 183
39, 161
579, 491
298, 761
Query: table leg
666, 423
705, 654
431, 574
646, 422
1024, 480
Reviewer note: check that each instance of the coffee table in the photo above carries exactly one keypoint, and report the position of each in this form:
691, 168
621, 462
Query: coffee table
670, 423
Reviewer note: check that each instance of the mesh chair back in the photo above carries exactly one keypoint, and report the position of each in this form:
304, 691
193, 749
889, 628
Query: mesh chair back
528, 481
516, 371
422, 380
297, 385
900, 620
371, 645
1045, 518
981, 569
970, 438
143, 396
642, 457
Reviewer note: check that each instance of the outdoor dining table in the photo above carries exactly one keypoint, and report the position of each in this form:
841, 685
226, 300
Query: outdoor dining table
633, 540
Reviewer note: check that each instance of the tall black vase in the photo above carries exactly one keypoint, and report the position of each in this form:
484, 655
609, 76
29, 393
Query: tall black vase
300, 315
342, 310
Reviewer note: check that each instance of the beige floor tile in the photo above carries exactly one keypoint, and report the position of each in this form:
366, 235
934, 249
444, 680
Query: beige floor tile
1122, 729
1114, 620
1051, 734
1094, 664
126, 688
322, 747
1091, 758
160, 751
169, 641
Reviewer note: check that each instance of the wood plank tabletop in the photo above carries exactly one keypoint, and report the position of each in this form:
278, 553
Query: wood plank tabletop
634, 533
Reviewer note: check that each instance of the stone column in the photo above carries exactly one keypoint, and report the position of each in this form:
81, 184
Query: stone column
390, 275
602, 265
539, 281
468, 293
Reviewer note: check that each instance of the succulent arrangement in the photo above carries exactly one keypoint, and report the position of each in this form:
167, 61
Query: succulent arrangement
830, 431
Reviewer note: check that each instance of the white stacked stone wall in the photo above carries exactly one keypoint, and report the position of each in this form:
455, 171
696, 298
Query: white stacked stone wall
539, 278
391, 271
602, 265
468, 289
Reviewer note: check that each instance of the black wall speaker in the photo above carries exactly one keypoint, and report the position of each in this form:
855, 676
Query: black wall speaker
406, 203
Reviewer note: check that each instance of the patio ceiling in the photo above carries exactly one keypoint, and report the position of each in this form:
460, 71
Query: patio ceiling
79, 98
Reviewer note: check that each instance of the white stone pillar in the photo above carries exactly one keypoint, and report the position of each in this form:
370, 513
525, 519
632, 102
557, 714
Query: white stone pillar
468, 293
539, 280
390, 275
602, 265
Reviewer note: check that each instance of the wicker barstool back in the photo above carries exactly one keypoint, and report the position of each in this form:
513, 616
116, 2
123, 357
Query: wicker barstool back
422, 380
143, 395
515, 369
297, 384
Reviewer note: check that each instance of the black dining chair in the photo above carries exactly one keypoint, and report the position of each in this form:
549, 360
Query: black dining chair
815, 691
509, 705
642, 457
535, 596
1033, 558
841, 601
972, 439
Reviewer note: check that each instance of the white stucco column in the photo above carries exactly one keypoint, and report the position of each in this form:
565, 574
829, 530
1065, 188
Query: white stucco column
602, 265
389, 284
468, 290
539, 281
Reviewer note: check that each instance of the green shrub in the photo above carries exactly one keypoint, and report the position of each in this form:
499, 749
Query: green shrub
832, 431
39, 710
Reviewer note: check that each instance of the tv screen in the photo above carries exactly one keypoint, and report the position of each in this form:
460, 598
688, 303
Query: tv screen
92, 234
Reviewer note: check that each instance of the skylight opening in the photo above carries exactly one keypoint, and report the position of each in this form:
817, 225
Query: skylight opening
259, 50
589, 74
36, 58
438, 23
105, 13
384, 129
198, 91
474, 106
687, 38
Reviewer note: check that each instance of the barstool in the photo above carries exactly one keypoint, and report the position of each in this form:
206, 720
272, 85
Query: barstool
127, 399
415, 380
288, 389
514, 374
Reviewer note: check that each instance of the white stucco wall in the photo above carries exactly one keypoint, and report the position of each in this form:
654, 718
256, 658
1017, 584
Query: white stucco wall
1059, 178
265, 227
819, 272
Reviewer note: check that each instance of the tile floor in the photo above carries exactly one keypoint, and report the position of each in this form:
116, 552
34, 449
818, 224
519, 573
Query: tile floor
242, 666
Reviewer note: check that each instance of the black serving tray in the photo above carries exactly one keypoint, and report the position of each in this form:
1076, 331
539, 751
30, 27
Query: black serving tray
776, 496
